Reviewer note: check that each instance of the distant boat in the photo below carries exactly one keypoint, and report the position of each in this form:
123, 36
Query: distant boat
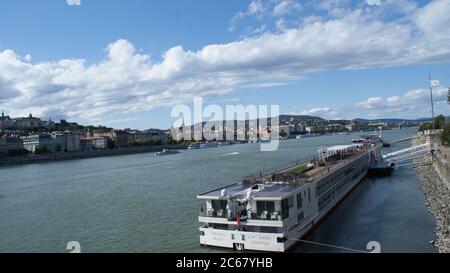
225, 143
209, 145
167, 152
307, 136
260, 141
194, 146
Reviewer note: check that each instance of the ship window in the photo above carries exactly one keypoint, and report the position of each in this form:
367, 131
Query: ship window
268, 206
285, 208
219, 205
300, 216
281, 239
291, 201
299, 200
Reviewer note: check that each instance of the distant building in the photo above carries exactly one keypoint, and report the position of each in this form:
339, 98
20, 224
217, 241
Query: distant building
86, 144
29, 122
72, 142
283, 130
20, 123
32, 141
104, 133
100, 143
300, 128
120, 138
94, 143
316, 129
68, 141
8, 144
5, 121
335, 127
155, 136
59, 140
351, 126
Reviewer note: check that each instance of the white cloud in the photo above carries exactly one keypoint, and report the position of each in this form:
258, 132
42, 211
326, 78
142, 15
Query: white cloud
281, 24
73, 2
259, 9
434, 18
329, 4
371, 103
256, 8
373, 2
286, 6
320, 111
128, 81
412, 104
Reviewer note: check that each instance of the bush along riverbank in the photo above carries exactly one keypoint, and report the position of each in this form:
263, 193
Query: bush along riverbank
437, 200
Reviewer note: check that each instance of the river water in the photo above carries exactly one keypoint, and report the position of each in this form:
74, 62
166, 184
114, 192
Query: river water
144, 203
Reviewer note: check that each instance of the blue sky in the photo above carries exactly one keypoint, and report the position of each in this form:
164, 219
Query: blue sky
127, 63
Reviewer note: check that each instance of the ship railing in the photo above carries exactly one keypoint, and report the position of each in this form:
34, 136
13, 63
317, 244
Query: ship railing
328, 169
267, 216
266, 172
213, 213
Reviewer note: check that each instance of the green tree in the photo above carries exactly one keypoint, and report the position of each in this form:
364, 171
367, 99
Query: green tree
448, 95
445, 136
58, 148
42, 149
439, 122
425, 126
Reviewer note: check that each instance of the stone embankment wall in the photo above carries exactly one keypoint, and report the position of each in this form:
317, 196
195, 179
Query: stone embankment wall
434, 183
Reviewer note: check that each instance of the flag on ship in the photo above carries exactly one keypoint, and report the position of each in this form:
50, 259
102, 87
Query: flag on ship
434, 83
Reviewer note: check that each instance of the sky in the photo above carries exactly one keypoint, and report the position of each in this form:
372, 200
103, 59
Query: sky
126, 64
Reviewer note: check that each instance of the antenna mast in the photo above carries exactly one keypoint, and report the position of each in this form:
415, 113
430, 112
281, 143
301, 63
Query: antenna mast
431, 95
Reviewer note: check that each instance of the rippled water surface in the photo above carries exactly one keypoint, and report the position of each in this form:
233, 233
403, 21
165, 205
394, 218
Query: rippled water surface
144, 203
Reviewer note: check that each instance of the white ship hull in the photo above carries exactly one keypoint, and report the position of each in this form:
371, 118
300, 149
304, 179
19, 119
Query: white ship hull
267, 242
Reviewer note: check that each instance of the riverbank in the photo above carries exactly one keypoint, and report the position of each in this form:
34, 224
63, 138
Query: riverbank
30, 159
437, 198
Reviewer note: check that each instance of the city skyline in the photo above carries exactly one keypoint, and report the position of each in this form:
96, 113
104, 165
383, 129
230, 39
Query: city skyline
368, 61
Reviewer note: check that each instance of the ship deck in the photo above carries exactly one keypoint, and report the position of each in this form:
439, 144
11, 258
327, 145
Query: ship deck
309, 176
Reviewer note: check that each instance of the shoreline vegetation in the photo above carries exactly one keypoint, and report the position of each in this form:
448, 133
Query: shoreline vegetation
30, 159
437, 194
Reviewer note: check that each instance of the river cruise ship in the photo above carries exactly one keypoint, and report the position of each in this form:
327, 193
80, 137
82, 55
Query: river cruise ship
273, 209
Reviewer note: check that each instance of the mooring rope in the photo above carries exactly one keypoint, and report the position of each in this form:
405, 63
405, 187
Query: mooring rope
328, 245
